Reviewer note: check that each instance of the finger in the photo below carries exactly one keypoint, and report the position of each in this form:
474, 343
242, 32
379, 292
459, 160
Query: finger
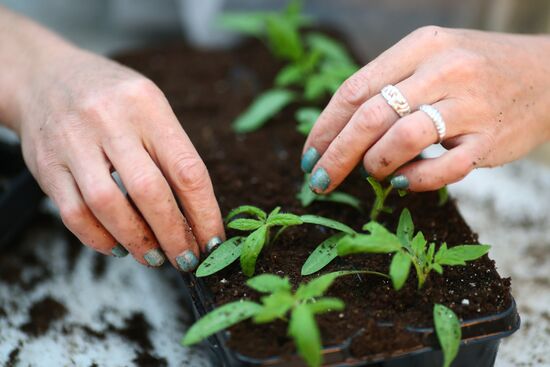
78, 218
112, 208
407, 138
394, 65
152, 195
188, 177
367, 125
434, 173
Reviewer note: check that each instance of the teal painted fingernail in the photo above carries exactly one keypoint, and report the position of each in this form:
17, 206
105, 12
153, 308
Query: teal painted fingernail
400, 182
213, 243
119, 251
309, 159
154, 257
364, 173
187, 261
319, 180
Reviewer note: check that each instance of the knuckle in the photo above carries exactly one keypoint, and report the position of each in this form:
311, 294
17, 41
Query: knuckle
462, 64
140, 89
73, 215
191, 173
354, 89
371, 120
100, 197
408, 136
462, 165
145, 185
432, 35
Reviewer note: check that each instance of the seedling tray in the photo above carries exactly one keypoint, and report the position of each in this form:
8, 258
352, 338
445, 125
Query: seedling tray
480, 340
19, 193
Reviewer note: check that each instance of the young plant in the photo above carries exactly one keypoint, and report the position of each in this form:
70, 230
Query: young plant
260, 226
380, 196
316, 65
408, 250
279, 303
307, 197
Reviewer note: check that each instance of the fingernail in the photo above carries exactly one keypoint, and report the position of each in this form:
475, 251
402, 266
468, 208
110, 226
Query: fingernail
363, 172
119, 251
154, 257
400, 182
213, 243
319, 180
309, 159
187, 261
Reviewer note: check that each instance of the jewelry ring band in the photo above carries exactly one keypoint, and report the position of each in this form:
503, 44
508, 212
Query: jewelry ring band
396, 100
437, 119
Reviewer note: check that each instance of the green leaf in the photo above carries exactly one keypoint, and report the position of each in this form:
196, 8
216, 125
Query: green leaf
418, 245
223, 256
430, 254
318, 286
246, 209
305, 195
306, 335
306, 117
326, 304
220, 319
330, 48
266, 106
341, 198
327, 222
458, 255
448, 332
402, 193
316, 87
322, 255
249, 23
375, 228
380, 243
284, 220
274, 306
284, 38
376, 187
399, 269
275, 211
251, 248
245, 224
292, 74
269, 283
438, 269
405, 228
443, 195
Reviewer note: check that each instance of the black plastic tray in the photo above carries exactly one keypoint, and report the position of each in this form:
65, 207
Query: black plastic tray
20, 195
479, 346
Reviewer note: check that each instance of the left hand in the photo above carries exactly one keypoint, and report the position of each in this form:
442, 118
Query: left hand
491, 89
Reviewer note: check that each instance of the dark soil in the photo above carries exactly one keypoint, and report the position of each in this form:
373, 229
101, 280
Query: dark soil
13, 358
207, 90
42, 315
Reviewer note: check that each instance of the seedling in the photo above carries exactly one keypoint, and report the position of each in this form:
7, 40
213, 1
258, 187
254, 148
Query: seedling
307, 197
380, 195
260, 226
298, 308
408, 249
316, 65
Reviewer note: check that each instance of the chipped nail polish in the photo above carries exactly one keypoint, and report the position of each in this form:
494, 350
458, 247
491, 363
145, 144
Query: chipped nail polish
187, 261
213, 243
154, 257
364, 173
119, 251
309, 159
319, 180
400, 182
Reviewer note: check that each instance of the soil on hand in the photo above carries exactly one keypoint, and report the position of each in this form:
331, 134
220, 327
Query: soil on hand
207, 90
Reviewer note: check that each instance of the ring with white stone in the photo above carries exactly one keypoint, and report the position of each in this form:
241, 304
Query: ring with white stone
437, 119
396, 100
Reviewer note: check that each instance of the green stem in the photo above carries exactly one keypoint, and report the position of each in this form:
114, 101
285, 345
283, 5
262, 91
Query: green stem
379, 204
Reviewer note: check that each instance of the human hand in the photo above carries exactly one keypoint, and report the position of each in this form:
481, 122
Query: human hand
82, 117
491, 89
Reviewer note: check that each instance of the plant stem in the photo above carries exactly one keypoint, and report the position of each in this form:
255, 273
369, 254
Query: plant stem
379, 204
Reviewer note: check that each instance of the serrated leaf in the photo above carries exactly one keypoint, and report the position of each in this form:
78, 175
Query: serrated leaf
245, 224
274, 306
327, 222
318, 286
405, 228
449, 333
330, 48
251, 248
399, 269
380, 243
322, 255
249, 23
269, 283
223, 256
284, 220
292, 74
306, 117
326, 304
246, 209
284, 38
458, 255
266, 106
305, 332
220, 319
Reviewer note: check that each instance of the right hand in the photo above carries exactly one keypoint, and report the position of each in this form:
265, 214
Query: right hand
80, 117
